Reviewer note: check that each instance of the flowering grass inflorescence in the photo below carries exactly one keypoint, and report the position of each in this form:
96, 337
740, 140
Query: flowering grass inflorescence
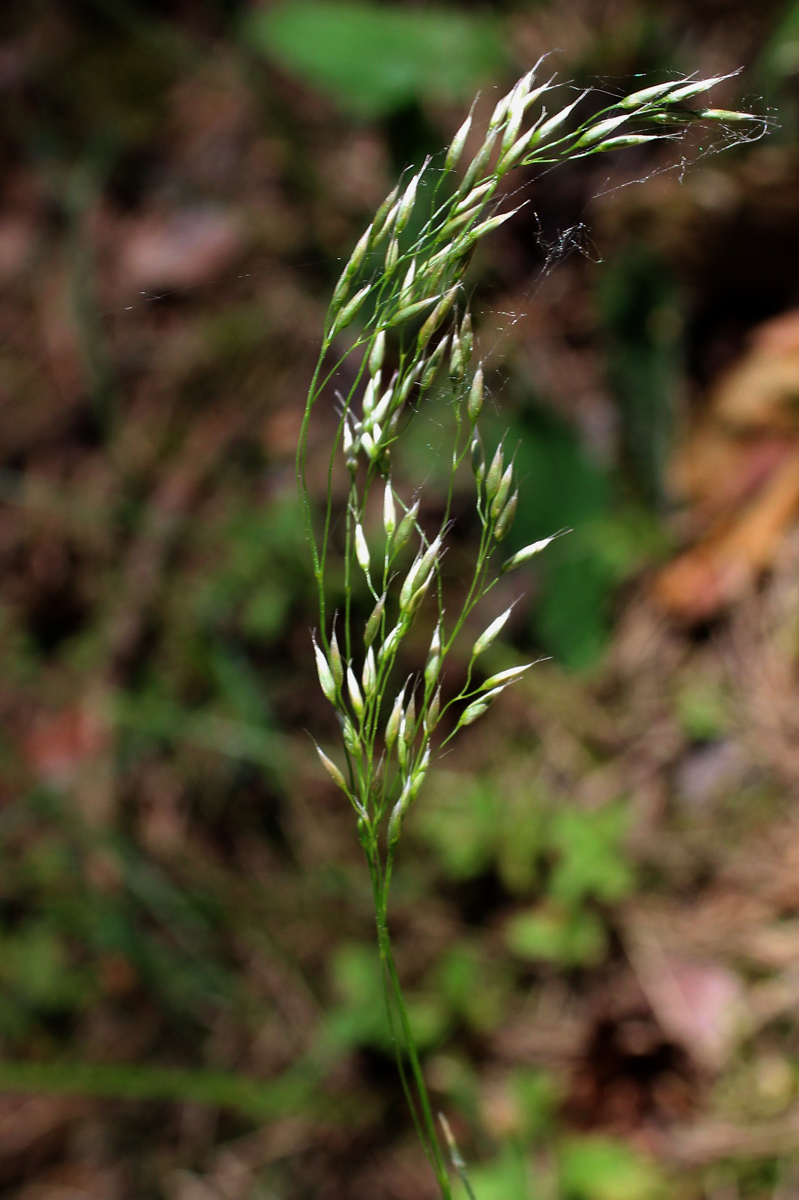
404, 283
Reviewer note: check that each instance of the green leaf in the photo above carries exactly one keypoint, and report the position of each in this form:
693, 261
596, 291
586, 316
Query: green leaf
373, 58
592, 861
556, 935
359, 1019
508, 1177
597, 1168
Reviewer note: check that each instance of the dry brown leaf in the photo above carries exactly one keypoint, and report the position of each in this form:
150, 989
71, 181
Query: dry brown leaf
723, 567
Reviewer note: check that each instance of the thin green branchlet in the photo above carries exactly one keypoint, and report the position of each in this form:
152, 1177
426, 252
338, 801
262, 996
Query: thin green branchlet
404, 284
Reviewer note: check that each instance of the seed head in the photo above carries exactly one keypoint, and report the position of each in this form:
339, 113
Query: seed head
372, 388
495, 473
351, 739
407, 283
474, 404
545, 131
419, 572
491, 633
433, 664
470, 714
409, 720
481, 192
361, 549
393, 723
693, 88
408, 200
332, 770
433, 363
349, 311
406, 527
525, 554
506, 517
392, 641
437, 316
373, 624
648, 95
478, 461
467, 338
433, 711
326, 679
377, 353
389, 511
336, 664
503, 489
408, 311
503, 678
369, 674
408, 794
598, 132
456, 146
356, 699
625, 141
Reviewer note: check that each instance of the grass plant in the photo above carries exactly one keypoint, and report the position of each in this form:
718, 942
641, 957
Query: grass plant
403, 290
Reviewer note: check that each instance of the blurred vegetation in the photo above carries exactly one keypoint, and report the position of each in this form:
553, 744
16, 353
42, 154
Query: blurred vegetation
189, 994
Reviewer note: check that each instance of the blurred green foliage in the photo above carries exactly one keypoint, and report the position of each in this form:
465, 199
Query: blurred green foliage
639, 306
377, 58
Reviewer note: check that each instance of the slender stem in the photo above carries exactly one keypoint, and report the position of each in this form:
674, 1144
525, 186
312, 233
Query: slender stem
387, 957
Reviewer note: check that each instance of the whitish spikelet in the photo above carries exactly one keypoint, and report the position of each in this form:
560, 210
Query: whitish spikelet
406, 527
356, 697
332, 770
503, 490
394, 720
389, 511
361, 549
377, 353
503, 678
326, 679
528, 552
336, 664
373, 624
349, 311
369, 674
599, 131
433, 664
457, 144
433, 711
492, 632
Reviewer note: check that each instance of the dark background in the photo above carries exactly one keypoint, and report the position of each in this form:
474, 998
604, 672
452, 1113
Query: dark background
597, 903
